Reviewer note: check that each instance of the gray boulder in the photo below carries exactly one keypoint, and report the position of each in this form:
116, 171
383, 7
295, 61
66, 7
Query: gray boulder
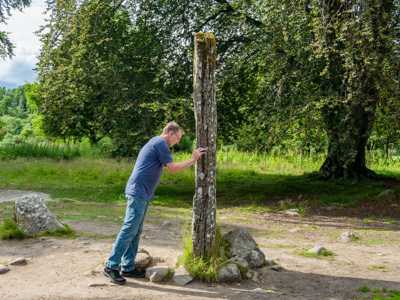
33, 216
229, 273
243, 246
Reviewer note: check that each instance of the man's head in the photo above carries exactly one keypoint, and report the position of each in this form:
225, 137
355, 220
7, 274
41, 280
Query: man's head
172, 133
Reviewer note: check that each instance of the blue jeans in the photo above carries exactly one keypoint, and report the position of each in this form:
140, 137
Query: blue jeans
126, 244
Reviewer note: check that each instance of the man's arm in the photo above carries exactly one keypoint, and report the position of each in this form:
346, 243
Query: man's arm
174, 167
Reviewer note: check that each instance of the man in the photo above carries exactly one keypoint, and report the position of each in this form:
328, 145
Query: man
139, 190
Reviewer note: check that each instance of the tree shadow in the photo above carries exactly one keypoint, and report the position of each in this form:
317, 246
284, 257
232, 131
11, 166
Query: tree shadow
285, 284
274, 192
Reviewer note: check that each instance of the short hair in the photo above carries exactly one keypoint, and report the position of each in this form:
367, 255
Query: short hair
172, 127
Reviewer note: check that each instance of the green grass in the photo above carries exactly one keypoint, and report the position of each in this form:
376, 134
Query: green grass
205, 269
380, 293
38, 150
250, 181
9, 231
323, 254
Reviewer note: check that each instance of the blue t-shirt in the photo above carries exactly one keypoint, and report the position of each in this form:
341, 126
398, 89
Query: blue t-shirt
148, 168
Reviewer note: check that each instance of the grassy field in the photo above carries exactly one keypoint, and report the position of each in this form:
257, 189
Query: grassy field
249, 181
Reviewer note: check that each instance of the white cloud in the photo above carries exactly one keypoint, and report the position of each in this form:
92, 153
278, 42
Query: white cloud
22, 27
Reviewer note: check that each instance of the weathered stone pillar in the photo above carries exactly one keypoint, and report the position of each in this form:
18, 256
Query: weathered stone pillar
204, 201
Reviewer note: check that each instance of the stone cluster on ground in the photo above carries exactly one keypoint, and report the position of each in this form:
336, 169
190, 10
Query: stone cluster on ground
244, 258
32, 215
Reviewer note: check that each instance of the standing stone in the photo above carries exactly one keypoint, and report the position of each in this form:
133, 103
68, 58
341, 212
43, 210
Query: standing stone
33, 216
204, 201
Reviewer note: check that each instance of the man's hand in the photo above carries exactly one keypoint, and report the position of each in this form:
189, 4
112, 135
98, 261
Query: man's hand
198, 153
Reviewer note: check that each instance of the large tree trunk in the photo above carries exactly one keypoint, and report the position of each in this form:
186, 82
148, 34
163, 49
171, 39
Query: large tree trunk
204, 201
348, 128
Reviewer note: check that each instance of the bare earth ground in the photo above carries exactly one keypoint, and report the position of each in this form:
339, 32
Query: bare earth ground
64, 268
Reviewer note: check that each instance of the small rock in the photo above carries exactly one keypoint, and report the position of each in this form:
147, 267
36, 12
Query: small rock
294, 230
3, 269
157, 273
318, 250
142, 261
292, 212
182, 276
229, 273
21, 261
348, 236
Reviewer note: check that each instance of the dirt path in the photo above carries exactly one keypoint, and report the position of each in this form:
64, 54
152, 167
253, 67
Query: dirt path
64, 268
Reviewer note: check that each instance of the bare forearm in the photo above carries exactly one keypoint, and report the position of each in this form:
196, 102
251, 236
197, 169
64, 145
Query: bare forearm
179, 166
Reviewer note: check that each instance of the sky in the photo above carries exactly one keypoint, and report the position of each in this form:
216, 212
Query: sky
21, 27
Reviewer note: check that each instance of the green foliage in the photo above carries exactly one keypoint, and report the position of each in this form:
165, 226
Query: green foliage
101, 78
204, 268
6, 47
37, 150
9, 230
364, 289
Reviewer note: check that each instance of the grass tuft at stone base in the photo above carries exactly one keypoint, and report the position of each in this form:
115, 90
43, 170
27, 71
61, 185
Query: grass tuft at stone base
205, 269
9, 230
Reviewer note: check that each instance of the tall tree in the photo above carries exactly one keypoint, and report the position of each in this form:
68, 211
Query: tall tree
98, 74
355, 41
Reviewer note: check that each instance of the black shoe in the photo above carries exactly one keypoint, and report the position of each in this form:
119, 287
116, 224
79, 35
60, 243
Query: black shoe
114, 276
134, 274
